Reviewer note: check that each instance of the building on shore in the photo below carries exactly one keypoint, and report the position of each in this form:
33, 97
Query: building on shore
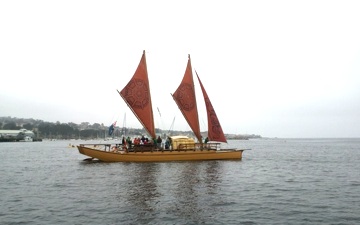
16, 135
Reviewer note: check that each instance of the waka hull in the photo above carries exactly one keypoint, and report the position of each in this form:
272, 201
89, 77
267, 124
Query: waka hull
160, 156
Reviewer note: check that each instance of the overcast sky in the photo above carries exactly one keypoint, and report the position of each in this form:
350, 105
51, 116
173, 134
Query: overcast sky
275, 68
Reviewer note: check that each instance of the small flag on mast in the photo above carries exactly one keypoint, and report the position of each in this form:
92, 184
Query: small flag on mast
112, 128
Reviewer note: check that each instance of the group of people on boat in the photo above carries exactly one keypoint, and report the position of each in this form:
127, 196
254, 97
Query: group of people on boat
127, 143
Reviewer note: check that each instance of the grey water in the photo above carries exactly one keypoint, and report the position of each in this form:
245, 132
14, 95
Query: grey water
278, 181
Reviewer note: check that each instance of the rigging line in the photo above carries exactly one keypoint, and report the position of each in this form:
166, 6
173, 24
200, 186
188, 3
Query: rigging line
124, 126
158, 111
161, 126
112, 120
204, 125
172, 125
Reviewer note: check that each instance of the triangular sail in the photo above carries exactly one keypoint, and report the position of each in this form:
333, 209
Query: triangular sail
215, 132
184, 96
137, 96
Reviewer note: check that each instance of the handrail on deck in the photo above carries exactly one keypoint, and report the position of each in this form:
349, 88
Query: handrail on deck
199, 146
151, 147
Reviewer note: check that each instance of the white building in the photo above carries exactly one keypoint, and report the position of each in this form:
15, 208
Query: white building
19, 135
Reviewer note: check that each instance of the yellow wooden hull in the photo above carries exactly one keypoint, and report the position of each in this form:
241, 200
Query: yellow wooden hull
160, 156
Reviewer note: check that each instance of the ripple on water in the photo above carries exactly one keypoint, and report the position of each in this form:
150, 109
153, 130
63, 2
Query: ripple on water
280, 181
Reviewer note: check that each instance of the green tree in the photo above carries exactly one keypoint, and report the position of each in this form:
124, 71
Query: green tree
96, 126
28, 126
45, 128
11, 126
89, 133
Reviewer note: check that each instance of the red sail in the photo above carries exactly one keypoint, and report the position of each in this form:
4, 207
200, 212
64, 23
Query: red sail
184, 97
136, 94
215, 132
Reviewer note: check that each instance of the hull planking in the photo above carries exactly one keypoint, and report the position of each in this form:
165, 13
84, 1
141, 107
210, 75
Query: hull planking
161, 156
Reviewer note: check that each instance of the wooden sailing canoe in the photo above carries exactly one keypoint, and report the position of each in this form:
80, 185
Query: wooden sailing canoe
160, 155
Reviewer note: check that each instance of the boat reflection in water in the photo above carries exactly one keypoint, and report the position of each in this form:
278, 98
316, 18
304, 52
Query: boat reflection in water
157, 193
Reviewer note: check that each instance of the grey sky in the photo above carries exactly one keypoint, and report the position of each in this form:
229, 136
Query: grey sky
274, 68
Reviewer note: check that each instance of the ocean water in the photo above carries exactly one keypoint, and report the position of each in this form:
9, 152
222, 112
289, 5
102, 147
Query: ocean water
279, 181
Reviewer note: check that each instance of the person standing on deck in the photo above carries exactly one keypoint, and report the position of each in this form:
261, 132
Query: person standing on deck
206, 140
128, 142
123, 142
158, 141
167, 143
143, 139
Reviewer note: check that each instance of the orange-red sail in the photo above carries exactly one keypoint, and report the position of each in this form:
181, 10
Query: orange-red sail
215, 132
137, 96
184, 97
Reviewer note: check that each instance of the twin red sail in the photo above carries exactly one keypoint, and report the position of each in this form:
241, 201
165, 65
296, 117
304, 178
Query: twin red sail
137, 96
215, 132
184, 96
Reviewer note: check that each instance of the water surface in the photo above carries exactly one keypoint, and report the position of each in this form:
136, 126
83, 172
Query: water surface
280, 181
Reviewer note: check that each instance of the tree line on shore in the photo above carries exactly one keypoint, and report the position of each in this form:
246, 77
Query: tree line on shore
85, 130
